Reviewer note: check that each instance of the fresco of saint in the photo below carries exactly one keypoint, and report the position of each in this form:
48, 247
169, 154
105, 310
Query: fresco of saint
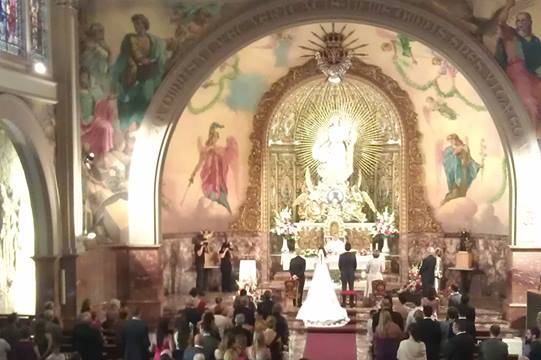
138, 71
459, 167
519, 53
214, 164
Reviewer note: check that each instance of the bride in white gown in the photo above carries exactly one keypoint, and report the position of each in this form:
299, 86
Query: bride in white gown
321, 307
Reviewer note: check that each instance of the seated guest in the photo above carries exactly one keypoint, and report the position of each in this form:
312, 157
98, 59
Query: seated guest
222, 322
281, 324
197, 348
403, 307
410, 319
227, 343
462, 345
201, 302
24, 347
87, 340
535, 350
164, 340
183, 335
210, 336
429, 330
465, 310
386, 337
239, 329
208, 325
236, 301
431, 300
446, 327
494, 348
412, 348
455, 297
264, 308
217, 302
135, 341
258, 350
370, 332
387, 304
531, 336
272, 339
244, 308
192, 314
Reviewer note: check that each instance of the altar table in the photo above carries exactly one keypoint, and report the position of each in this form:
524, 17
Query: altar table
332, 261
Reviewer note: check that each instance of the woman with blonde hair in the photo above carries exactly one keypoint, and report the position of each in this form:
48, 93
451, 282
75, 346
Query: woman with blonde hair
258, 350
272, 339
386, 337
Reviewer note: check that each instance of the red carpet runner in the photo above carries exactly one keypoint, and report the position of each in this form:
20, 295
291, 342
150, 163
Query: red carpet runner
330, 346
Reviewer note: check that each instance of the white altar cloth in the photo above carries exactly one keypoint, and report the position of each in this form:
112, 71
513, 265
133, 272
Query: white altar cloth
332, 260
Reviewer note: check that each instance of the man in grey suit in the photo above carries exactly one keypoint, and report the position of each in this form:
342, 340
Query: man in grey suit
494, 348
347, 263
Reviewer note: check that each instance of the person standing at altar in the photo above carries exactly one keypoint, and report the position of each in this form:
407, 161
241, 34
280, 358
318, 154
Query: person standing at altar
225, 265
347, 263
427, 271
297, 267
438, 271
374, 270
200, 248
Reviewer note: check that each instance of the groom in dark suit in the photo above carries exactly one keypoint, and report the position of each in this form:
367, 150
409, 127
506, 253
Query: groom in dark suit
297, 266
347, 263
428, 267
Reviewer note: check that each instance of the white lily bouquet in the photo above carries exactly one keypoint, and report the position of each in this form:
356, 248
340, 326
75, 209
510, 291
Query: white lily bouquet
385, 227
285, 228
384, 224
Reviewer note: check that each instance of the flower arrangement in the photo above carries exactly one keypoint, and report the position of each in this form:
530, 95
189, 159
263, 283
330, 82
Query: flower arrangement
414, 278
250, 287
284, 227
310, 252
384, 224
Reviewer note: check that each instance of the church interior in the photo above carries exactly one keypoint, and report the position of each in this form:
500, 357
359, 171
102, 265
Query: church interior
135, 133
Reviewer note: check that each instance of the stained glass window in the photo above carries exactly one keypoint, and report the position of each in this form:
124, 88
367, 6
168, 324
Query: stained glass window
38, 29
12, 39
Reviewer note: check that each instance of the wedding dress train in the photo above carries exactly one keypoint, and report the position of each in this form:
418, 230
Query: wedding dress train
321, 307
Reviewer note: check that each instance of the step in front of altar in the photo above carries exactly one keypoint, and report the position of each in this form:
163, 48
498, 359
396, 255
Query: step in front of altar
392, 280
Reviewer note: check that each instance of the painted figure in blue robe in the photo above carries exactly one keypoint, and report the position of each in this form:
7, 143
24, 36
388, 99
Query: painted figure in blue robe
138, 71
460, 168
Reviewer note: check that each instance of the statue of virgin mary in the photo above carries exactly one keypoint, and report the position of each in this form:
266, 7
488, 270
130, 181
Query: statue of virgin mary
333, 149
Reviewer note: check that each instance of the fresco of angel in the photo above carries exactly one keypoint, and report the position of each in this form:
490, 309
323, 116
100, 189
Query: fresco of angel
215, 162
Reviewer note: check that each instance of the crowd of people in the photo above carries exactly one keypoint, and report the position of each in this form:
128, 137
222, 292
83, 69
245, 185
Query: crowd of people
200, 331
411, 330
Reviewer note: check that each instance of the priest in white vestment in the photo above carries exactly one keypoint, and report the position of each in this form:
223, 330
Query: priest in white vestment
374, 270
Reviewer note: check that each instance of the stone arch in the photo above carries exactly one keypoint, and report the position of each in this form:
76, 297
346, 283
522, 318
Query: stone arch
253, 22
24, 130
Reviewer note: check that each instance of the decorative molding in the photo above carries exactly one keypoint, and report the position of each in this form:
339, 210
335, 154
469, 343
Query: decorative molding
416, 214
401, 14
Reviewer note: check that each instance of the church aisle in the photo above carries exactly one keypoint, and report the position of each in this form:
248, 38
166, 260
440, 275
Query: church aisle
324, 346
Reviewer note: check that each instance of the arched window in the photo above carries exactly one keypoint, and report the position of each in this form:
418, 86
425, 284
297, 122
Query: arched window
24, 30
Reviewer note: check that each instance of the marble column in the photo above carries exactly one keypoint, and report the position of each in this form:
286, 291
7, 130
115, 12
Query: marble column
64, 25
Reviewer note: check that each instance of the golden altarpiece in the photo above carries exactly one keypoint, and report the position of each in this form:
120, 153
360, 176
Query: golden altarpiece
293, 175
